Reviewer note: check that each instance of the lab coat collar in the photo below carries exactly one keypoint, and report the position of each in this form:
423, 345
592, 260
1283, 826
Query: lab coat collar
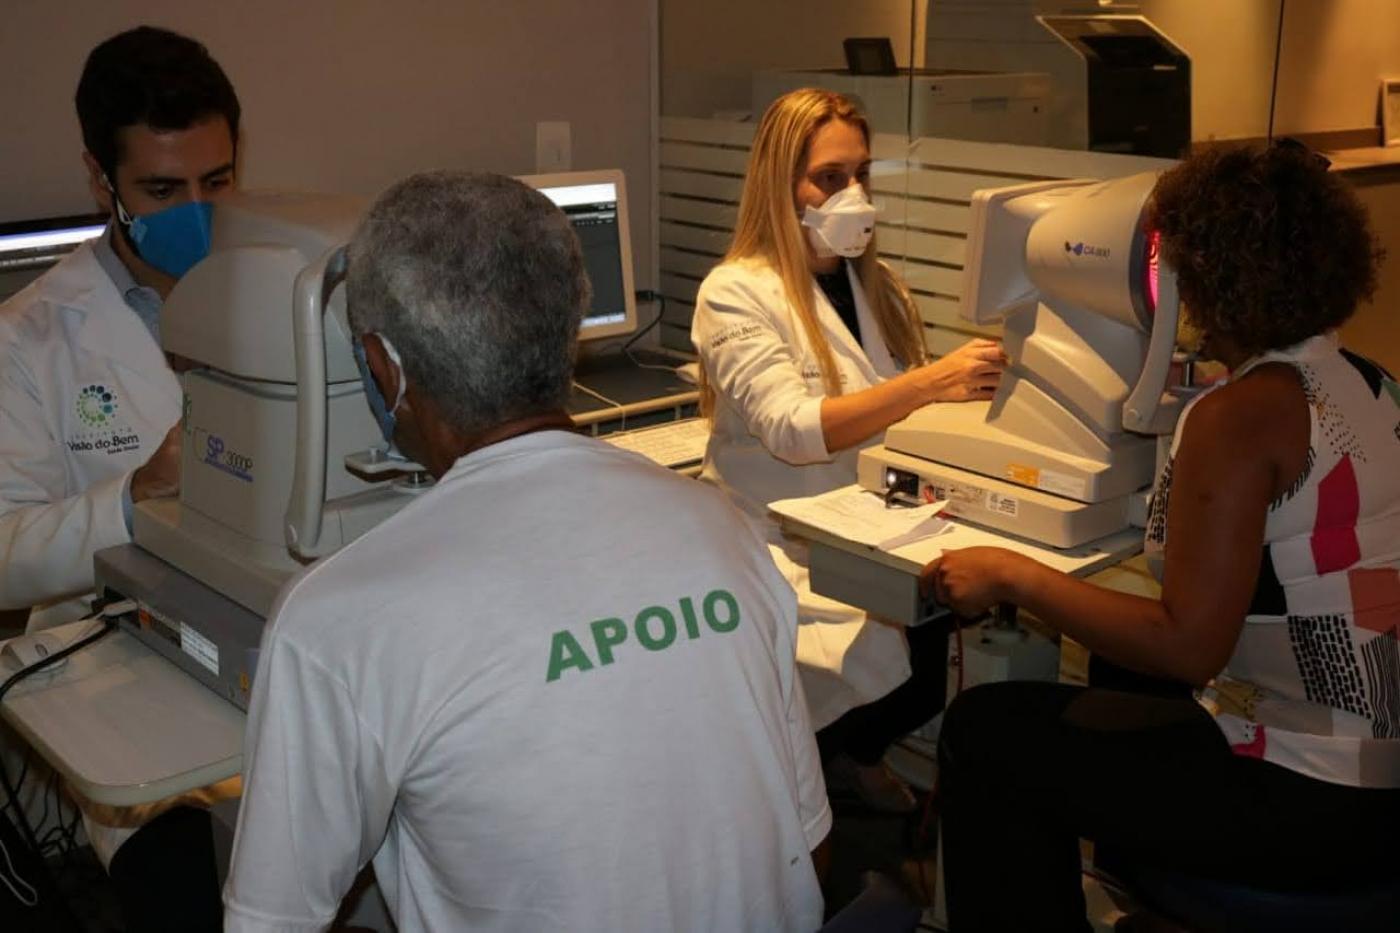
870, 356
106, 325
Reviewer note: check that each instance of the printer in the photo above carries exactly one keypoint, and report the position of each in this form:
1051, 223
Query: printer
1064, 452
996, 107
1116, 82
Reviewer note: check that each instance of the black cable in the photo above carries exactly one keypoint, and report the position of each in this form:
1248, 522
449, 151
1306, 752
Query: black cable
1278, 51
660, 299
648, 295
19, 784
44, 816
108, 624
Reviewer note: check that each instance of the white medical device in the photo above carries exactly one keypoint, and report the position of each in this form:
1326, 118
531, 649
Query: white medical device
281, 460
1063, 451
274, 408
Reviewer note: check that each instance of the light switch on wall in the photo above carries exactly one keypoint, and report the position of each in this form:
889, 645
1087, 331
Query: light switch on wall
553, 147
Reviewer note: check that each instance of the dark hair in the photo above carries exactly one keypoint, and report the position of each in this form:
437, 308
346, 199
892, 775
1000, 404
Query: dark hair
1269, 247
149, 76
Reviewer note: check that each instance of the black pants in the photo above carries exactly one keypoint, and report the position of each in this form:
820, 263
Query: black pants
866, 732
165, 875
1028, 769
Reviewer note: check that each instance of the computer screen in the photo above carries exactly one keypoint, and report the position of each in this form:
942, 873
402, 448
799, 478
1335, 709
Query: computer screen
42, 240
29, 247
596, 205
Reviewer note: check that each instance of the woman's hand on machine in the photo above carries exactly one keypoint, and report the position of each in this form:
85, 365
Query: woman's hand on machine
970, 373
970, 581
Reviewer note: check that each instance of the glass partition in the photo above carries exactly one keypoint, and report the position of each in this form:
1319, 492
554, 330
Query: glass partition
974, 94
722, 64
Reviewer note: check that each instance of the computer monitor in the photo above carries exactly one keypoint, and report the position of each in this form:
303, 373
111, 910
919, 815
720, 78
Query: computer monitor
29, 247
596, 205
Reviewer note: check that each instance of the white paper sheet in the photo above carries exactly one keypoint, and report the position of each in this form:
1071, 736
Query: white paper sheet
862, 516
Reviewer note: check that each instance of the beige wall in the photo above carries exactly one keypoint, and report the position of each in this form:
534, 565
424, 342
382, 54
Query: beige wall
710, 48
349, 95
1375, 330
1231, 44
1334, 54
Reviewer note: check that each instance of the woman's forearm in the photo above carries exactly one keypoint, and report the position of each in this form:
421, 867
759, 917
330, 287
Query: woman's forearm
849, 420
1131, 631
970, 372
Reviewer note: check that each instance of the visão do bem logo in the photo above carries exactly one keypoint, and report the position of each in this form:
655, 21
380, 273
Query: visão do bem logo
97, 406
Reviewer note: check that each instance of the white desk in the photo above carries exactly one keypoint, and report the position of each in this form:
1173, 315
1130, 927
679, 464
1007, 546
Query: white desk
123, 725
887, 582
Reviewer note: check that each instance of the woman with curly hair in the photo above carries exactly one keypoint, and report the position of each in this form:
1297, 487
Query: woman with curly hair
1276, 530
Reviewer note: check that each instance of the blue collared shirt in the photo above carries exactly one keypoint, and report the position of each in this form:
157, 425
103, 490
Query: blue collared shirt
141, 299
144, 302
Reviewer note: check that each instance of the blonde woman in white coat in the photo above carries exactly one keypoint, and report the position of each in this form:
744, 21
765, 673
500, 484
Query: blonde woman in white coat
810, 347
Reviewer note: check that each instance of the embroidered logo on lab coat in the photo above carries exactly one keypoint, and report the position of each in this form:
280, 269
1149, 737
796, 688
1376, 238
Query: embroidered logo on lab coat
98, 410
97, 406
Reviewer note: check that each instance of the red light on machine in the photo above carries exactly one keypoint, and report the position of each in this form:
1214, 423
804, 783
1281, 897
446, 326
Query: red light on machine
1154, 242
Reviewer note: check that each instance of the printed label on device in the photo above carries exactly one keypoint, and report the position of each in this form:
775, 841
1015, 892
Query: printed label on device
1002, 505
1062, 484
200, 648
153, 620
180, 635
1022, 474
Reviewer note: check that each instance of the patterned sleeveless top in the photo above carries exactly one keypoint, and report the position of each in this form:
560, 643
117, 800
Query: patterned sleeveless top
1313, 684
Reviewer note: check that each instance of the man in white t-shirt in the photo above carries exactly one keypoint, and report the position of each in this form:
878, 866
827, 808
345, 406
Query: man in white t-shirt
558, 690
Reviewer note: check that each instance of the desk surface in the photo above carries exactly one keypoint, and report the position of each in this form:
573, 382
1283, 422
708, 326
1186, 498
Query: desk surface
615, 388
911, 558
887, 582
120, 746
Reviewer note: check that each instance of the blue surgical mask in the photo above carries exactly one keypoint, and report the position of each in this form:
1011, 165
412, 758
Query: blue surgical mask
384, 413
171, 240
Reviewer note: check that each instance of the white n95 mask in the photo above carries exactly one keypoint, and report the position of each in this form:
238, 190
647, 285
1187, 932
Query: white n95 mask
843, 225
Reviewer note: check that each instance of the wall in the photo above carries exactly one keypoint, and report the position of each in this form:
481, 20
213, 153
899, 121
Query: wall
710, 48
1231, 45
1334, 54
349, 96
1375, 329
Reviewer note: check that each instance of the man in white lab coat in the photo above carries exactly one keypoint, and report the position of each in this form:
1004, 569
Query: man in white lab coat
89, 406
559, 690
87, 400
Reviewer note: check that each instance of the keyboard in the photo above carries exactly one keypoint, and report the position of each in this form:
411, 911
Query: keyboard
677, 444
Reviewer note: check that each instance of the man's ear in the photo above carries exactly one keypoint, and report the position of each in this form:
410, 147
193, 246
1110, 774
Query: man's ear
100, 193
385, 374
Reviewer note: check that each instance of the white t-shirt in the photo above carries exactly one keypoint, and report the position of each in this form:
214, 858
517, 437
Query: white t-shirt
556, 692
